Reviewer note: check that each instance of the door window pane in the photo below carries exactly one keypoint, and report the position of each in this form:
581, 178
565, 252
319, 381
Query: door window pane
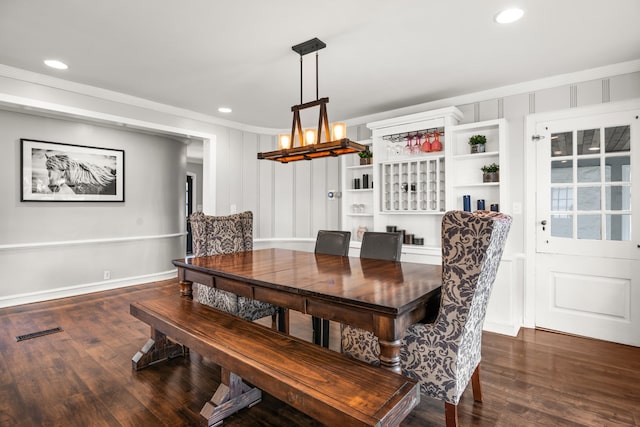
616, 139
588, 141
589, 198
561, 144
618, 227
618, 198
589, 227
617, 169
562, 226
561, 171
562, 199
589, 170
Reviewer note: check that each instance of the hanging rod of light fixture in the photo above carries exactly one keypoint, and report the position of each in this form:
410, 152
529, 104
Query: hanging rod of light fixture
310, 140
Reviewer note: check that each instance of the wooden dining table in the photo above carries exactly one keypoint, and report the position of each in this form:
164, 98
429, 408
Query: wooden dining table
383, 297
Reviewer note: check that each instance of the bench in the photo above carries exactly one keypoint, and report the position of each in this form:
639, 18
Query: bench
328, 386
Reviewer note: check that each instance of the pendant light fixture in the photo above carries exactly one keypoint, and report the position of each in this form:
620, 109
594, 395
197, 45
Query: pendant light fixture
310, 143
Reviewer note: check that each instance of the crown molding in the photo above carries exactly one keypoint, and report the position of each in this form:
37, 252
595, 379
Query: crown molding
499, 92
505, 91
122, 98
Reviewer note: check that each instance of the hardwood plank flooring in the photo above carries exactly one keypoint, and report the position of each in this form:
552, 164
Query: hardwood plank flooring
82, 376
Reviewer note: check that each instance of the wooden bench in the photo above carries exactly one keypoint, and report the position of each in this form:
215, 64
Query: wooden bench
321, 383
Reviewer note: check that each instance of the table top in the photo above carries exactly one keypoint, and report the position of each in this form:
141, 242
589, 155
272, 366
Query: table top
387, 286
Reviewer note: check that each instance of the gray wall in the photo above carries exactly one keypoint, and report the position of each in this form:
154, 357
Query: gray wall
54, 245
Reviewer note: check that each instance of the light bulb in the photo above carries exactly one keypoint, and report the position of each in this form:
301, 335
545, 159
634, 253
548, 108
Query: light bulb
284, 141
339, 131
309, 136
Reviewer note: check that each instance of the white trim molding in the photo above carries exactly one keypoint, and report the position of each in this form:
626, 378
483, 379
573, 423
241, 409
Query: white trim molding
122, 98
15, 246
86, 288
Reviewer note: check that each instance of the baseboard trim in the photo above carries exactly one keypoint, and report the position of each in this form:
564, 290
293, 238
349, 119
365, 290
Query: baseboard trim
501, 328
86, 288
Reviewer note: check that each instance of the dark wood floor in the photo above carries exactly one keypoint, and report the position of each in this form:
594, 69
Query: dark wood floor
82, 376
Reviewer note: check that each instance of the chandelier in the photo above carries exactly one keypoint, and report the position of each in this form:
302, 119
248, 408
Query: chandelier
310, 140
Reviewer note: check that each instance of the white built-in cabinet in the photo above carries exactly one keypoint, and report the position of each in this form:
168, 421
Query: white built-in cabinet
411, 188
464, 172
357, 201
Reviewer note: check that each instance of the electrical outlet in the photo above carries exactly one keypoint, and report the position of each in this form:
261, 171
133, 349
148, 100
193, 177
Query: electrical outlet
107, 275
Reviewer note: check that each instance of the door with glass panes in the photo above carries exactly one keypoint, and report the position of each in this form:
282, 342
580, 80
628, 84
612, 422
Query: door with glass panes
587, 243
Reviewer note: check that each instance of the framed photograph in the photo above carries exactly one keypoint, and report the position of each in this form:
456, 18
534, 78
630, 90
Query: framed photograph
55, 172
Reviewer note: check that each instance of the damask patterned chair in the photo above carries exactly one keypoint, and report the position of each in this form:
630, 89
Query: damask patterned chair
214, 235
444, 355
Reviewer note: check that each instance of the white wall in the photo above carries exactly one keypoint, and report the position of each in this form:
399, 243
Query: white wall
506, 306
288, 200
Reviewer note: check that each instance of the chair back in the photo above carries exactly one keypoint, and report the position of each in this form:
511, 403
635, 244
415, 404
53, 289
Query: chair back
379, 245
213, 235
472, 245
333, 242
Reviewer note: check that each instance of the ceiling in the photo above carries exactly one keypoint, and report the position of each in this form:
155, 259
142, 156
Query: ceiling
381, 55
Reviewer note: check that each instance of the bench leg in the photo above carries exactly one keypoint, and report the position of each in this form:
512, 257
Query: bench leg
229, 399
157, 349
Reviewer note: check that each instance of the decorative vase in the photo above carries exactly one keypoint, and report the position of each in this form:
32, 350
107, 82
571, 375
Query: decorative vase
365, 160
491, 177
360, 232
477, 148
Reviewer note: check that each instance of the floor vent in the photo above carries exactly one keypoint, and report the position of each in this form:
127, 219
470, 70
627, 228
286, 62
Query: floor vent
38, 334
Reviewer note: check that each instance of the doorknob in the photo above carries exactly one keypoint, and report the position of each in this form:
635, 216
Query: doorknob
544, 223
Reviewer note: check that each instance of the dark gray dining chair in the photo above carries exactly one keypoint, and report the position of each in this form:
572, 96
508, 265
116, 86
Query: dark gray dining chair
380, 245
328, 242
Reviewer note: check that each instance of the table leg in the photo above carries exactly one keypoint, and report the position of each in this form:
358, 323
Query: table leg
390, 355
186, 288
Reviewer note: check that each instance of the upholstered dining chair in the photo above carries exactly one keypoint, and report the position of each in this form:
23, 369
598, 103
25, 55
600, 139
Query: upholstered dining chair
213, 235
380, 245
328, 242
444, 355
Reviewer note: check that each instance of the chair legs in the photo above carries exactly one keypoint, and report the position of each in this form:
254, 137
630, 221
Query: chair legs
451, 414
282, 317
317, 331
325, 333
451, 410
320, 331
475, 385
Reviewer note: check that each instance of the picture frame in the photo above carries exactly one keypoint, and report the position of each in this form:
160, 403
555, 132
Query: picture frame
59, 172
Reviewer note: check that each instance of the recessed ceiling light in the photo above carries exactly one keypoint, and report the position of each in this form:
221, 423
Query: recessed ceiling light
509, 15
54, 63
224, 109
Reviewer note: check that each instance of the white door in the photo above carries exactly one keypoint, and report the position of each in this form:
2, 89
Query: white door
588, 226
